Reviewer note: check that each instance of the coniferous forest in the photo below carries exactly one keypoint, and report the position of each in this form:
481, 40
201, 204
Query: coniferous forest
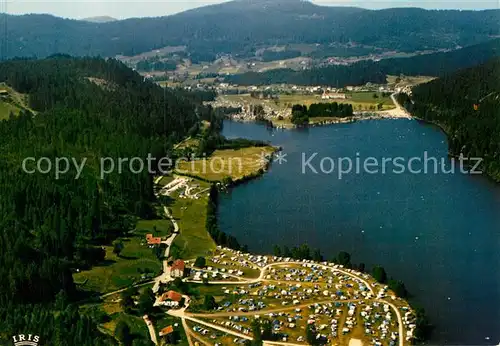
467, 106
78, 108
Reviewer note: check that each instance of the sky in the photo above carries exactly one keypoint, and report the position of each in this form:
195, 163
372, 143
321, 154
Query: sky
121, 9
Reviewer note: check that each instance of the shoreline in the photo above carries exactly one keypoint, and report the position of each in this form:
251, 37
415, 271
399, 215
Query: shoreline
333, 121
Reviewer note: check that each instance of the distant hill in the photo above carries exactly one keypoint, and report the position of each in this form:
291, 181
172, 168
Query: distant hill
436, 64
241, 27
467, 105
100, 19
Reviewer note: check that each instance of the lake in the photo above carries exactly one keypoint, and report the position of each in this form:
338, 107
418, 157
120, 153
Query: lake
438, 233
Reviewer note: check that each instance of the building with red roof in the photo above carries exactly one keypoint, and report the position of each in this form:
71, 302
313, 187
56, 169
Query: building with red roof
177, 269
166, 331
153, 240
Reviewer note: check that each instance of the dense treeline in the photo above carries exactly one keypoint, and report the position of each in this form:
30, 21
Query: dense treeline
301, 114
85, 109
270, 55
467, 106
337, 76
225, 28
363, 72
66, 327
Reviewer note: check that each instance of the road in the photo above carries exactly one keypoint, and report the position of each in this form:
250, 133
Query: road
399, 111
151, 328
400, 319
272, 343
189, 332
219, 328
165, 276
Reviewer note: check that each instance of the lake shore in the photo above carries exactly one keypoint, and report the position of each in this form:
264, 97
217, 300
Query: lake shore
325, 121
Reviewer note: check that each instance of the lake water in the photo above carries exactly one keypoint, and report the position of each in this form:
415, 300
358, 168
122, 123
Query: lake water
438, 233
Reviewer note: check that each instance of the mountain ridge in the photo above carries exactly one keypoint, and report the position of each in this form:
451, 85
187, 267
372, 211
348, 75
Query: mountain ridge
99, 19
240, 27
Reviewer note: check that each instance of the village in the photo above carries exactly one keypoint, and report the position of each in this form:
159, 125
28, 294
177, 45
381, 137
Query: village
273, 103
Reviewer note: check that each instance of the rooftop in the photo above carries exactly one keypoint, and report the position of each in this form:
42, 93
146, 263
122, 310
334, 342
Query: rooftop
171, 295
166, 331
178, 264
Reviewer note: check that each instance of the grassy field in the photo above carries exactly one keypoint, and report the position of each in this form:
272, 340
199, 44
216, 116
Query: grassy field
246, 99
188, 143
112, 308
7, 108
191, 216
408, 80
164, 228
248, 273
235, 164
119, 272
14, 102
137, 325
168, 320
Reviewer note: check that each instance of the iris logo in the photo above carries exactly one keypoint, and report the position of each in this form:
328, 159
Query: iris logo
26, 340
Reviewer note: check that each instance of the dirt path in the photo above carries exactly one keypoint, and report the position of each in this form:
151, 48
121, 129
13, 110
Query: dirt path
355, 342
152, 331
165, 276
189, 332
219, 328
126, 288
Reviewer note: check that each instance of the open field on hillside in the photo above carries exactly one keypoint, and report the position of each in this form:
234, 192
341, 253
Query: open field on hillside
6, 109
109, 312
408, 80
193, 240
125, 270
12, 102
188, 143
159, 228
137, 325
235, 164
190, 214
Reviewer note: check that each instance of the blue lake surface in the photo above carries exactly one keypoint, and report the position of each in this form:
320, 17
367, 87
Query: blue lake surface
438, 233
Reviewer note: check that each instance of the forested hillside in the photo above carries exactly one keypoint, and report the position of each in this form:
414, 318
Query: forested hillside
240, 27
359, 73
86, 108
467, 106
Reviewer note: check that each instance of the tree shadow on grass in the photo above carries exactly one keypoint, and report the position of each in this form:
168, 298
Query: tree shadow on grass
129, 257
106, 263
